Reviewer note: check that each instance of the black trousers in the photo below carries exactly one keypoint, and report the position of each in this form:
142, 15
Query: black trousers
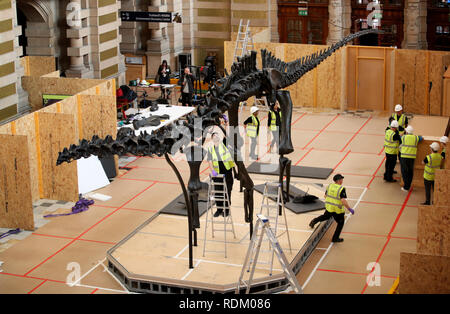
339, 218
391, 161
229, 182
407, 165
186, 99
428, 186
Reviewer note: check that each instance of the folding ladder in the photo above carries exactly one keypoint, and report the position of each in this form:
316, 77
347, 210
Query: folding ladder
253, 252
271, 211
220, 195
244, 40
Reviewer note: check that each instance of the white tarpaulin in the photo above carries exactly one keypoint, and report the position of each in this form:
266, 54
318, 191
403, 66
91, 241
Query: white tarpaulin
91, 175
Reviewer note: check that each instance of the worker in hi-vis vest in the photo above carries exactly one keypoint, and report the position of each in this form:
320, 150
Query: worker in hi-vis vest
443, 141
432, 162
274, 124
400, 118
335, 201
391, 143
252, 127
408, 153
221, 162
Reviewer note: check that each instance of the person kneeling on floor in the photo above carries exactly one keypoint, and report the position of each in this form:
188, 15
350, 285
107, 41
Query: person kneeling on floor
335, 201
221, 162
431, 162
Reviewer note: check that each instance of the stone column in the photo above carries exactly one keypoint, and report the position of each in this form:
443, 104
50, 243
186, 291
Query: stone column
23, 106
158, 47
77, 49
339, 20
273, 21
415, 24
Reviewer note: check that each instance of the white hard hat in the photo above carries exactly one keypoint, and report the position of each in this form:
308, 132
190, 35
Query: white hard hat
394, 124
409, 129
444, 140
435, 146
254, 109
398, 108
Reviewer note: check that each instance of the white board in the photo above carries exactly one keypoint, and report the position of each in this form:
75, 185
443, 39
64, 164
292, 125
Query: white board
91, 175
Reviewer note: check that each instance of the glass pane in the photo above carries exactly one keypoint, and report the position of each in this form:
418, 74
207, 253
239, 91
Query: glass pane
315, 32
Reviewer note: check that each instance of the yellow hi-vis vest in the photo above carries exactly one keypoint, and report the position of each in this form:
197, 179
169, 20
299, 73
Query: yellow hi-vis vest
408, 148
252, 128
401, 121
333, 202
390, 146
225, 156
434, 162
273, 121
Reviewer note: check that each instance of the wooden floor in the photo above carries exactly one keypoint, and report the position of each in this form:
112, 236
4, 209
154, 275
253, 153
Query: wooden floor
384, 225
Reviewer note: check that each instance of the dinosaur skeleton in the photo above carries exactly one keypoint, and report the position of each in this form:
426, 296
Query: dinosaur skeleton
224, 96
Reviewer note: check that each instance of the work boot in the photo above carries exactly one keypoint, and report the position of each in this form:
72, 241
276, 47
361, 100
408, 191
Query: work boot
218, 213
337, 240
227, 212
426, 203
312, 223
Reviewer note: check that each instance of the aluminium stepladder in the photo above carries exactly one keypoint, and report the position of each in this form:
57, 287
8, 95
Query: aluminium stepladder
215, 195
253, 252
271, 211
244, 40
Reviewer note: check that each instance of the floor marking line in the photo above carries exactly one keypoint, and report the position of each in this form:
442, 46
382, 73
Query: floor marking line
354, 135
374, 174
191, 270
320, 131
106, 289
330, 246
342, 160
98, 222
35, 288
114, 277
181, 252
389, 235
87, 273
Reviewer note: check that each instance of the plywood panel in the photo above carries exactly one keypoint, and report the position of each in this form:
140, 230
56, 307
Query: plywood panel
441, 188
446, 98
421, 273
36, 86
429, 125
433, 230
16, 208
57, 131
26, 126
410, 70
5, 129
40, 65
98, 116
52, 74
437, 65
370, 84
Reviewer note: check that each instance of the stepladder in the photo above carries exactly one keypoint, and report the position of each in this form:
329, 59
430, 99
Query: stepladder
253, 252
218, 202
273, 208
244, 40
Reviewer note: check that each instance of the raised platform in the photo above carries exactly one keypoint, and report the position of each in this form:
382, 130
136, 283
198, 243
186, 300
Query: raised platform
154, 258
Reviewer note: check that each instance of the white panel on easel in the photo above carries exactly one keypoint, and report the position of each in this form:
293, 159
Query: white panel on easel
91, 175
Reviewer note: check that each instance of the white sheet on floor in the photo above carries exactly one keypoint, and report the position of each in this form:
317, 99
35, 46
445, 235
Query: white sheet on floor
91, 175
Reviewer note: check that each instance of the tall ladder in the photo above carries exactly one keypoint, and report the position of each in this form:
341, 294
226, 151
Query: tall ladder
272, 212
244, 40
253, 252
220, 195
